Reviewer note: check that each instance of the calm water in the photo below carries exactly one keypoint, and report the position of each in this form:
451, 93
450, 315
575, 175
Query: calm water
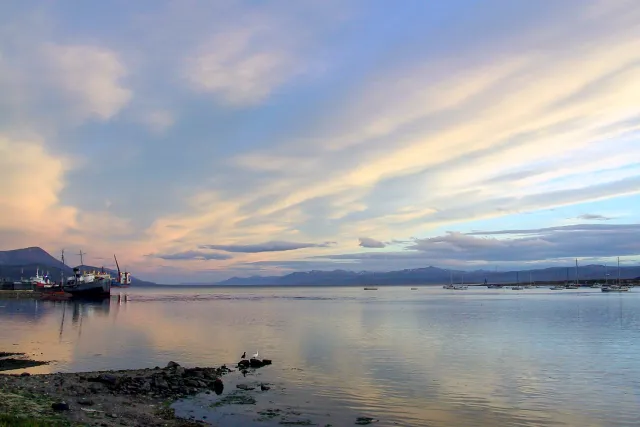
428, 357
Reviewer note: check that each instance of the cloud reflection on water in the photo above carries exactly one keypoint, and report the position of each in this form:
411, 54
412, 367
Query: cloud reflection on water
428, 357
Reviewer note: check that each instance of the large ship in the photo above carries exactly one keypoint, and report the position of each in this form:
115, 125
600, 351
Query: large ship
124, 277
89, 285
93, 284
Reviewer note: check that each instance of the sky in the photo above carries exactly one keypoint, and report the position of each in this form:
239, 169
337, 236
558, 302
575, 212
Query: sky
200, 140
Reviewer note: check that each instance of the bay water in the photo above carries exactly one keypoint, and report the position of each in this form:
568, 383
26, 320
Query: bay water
342, 355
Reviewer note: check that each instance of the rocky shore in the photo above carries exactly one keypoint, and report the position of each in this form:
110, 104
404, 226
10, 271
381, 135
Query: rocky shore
111, 398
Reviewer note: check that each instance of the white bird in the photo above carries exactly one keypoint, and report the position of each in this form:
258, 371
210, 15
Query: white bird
255, 356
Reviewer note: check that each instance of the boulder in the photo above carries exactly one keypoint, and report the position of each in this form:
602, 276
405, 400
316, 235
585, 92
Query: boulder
256, 363
60, 406
218, 386
85, 401
172, 365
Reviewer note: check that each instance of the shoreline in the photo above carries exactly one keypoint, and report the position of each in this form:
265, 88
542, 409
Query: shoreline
132, 397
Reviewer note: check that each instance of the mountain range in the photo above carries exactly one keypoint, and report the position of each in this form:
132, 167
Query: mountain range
18, 263
433, 275
23, 263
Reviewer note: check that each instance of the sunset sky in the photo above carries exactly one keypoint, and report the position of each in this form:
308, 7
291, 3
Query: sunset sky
200, 140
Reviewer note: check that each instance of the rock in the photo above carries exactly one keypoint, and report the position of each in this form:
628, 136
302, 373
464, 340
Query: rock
172, 365
95, 388
60, 406
85, 401
192, 383
111, 415
25, 374
266, 361
264, 387
180, 370
244, 364
145, 387
256, 363
107, 379
245, 387
160, 383
218, 386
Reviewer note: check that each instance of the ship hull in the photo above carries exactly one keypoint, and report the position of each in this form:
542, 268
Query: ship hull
95, 289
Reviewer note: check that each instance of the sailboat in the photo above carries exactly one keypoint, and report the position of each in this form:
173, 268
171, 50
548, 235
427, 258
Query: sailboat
597, 285
450, 285
616, 287
460, 287
574, 285
517, 287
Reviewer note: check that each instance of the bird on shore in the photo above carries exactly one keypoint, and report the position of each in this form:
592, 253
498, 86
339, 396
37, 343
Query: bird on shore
255, 356
244, 355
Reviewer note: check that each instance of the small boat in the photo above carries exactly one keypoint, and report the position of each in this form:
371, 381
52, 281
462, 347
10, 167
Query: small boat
450, 285
558, 288
517, 288
615, 288
494, 286
370, 289
596, 286
460, 287
414, 289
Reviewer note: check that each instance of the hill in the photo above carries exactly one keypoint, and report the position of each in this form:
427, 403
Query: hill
19, 263
430, 275
28, 256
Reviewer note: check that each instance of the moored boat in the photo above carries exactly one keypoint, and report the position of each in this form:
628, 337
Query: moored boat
88, 285
124, 277
615, 288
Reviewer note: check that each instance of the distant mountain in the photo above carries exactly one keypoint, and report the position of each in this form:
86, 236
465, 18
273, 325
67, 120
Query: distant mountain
430, 275
23, 263
26, 256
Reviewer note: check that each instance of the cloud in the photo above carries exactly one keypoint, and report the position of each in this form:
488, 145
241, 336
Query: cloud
582, 240
244, 63
594, 217
271, 246
367, 242
192, 255
29, 201
90, 77
158, 121
524, 247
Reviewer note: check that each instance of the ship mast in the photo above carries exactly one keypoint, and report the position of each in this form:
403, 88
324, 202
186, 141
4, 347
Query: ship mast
81, 259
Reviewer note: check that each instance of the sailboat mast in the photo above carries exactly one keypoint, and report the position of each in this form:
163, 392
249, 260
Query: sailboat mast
618, 271
606, 275
62, 268
576, 271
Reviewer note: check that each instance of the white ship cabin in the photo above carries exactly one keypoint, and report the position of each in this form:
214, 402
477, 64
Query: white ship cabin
125, 278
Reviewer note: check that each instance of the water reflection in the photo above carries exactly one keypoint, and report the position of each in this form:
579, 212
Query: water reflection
419, 358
